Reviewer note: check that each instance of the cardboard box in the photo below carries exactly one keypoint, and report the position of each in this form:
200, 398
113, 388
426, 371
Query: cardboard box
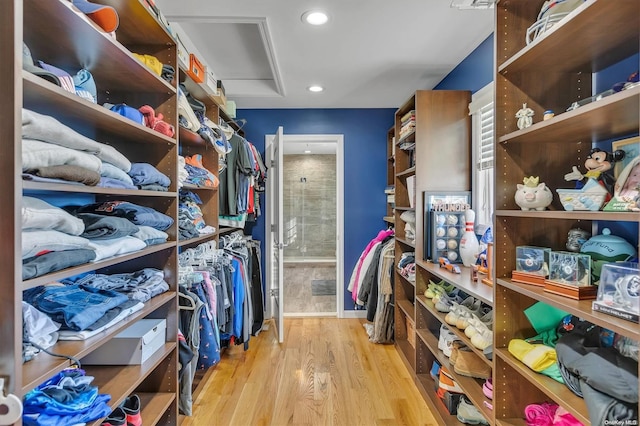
196, 70
133, 345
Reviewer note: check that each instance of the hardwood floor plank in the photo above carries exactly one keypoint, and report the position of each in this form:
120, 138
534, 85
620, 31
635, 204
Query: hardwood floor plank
325, 373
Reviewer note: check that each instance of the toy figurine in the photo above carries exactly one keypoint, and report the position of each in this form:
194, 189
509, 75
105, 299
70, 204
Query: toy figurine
533, 195
599, 165
524, 117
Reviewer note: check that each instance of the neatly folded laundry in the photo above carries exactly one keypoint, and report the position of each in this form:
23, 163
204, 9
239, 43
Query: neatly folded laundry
38, 214
140, 215
151, 235
146, 174
100, 227
55, 261
33, 178
43, 154
116, 246
39, 242
106, 182
112, 317
111, 171
68, 173
47, 129
154, 187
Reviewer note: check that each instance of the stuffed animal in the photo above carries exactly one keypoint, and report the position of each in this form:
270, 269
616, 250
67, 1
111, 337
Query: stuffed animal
599, 165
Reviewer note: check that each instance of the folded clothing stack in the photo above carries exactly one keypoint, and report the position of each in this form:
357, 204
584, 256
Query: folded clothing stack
145, 176
197, 174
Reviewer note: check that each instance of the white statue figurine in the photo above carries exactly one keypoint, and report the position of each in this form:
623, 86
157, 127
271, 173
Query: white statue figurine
524, 117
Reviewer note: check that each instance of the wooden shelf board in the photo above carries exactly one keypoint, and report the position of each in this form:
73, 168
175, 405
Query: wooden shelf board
405, 208
595, 44
409, 137
39, 92
120, 381
580, 308
227, 230
197, 240
405, 242
408, 172
408, 309
425, 386
428, 304
462, 281
44, 366
154, 405
572, 215
28, 185
189, 138
389, 219
611, 117
199, 91
68, 272
471, 387
557, 391
138, 25
407, 354
78, 44
511, 422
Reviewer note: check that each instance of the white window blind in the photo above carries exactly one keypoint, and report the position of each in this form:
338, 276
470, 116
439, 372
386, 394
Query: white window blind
481, 111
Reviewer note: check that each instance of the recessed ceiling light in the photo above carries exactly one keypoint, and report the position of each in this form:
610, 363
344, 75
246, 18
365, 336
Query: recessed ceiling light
307, 152
315, 17
315, 88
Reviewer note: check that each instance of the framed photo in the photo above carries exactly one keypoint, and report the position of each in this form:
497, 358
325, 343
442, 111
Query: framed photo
631, 147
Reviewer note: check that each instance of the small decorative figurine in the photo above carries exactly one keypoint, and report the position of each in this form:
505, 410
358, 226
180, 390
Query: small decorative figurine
599, 165
524, 117
469, 245
576, 238
533, 195
548, 114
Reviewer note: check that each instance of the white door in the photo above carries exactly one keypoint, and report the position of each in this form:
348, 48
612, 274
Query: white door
275, 246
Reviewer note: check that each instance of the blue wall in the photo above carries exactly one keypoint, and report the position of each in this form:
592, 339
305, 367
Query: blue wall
365, 159
475, 72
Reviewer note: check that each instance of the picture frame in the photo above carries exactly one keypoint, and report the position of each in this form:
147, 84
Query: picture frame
631, 147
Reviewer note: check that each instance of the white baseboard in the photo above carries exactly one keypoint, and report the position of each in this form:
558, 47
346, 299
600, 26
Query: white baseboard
309, 314
354, 314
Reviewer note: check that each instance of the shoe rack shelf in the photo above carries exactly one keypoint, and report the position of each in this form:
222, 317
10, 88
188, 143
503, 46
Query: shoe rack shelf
439, 316
462, 281
552, 72
442, 125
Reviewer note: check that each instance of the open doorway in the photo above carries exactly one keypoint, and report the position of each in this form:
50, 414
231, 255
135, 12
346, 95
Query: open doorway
312, 210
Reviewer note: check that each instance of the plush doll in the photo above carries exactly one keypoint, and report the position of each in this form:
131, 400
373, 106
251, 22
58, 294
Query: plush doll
599, 165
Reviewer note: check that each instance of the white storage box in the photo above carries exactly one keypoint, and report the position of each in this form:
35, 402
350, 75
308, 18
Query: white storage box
183, 54
211, 84
133, 345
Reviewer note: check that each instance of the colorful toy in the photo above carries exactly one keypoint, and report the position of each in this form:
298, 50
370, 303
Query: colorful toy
533, 195
444, 263
599, 165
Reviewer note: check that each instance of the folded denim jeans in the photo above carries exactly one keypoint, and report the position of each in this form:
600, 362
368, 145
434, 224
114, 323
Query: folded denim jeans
74, 306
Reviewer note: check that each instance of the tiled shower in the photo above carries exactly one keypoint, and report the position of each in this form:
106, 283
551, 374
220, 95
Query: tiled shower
309, 202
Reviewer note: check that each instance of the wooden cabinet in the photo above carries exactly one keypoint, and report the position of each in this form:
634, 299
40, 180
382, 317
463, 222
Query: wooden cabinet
554, 71
440, 161
59, 35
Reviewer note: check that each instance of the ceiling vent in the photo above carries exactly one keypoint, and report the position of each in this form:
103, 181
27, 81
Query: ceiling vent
473, 4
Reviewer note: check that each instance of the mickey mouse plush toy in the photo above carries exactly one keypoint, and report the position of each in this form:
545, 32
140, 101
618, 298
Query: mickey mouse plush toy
599, 165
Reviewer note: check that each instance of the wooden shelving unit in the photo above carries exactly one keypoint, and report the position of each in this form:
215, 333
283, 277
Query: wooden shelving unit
442, 125
595, 36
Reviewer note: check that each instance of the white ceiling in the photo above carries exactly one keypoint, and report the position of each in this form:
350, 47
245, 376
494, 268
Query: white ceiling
371, 53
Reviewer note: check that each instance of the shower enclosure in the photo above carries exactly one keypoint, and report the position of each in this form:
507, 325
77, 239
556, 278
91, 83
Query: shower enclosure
309, 201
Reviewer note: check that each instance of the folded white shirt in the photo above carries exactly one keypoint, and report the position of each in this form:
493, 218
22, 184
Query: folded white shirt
115, 246
38, 214
148, 233
39, 241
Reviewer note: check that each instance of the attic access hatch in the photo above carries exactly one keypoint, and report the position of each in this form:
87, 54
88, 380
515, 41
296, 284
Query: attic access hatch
473, 4
245, 62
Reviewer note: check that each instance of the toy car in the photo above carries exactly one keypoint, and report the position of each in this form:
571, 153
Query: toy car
444, 263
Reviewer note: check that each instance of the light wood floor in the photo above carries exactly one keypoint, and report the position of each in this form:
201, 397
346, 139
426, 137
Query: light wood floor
326, 373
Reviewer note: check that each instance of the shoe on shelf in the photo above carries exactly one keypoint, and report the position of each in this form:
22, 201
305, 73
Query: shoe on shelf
483, 339
435, 371
476, 324
440, 287
131, 407
469, 414
445, 342
457, 346
452, 317
471, 365
443, 302
446, 382
117, 418
487, 388
488, 352
465, 314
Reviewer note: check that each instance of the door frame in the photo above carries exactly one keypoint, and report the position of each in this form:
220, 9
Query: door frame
338, 139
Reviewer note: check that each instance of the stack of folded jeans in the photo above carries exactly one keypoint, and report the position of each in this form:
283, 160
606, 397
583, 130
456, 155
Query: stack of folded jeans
66, 399
51, 239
